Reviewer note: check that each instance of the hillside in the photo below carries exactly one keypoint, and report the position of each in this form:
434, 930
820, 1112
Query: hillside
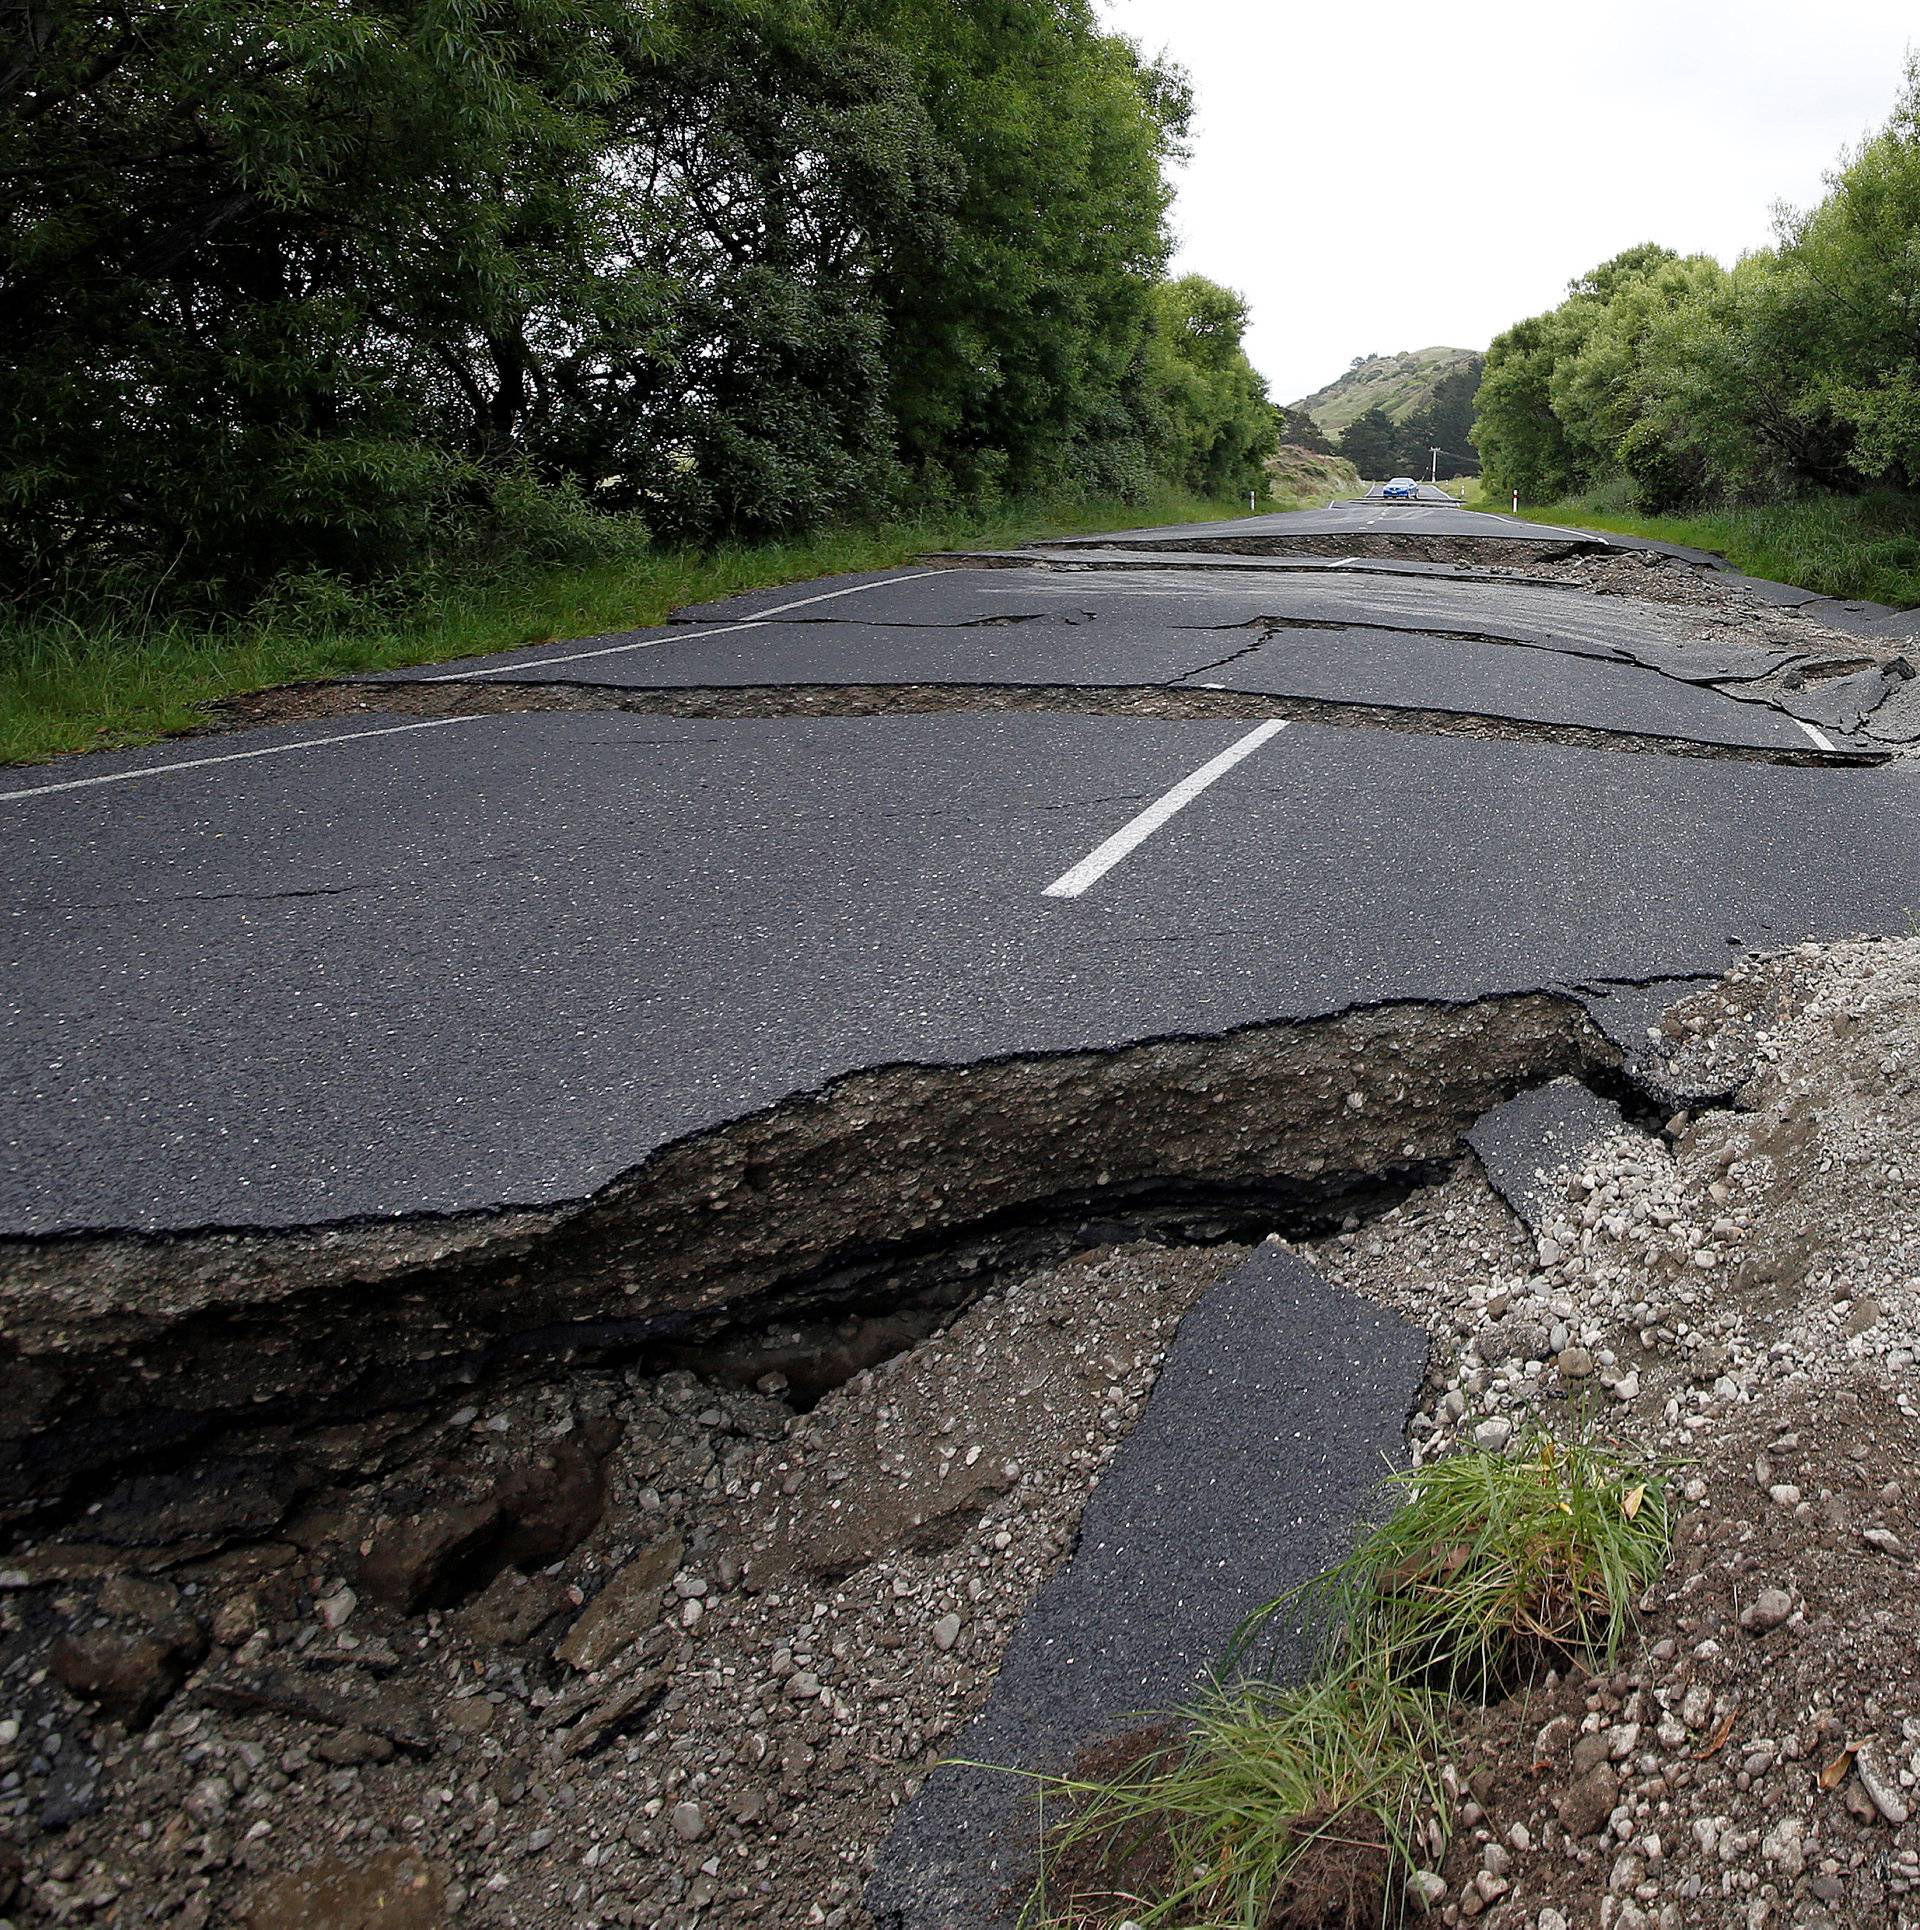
1399, 384
1305, 476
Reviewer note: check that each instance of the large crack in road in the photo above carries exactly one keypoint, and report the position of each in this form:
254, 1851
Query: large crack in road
1283, 1016
457, 698
123, 1348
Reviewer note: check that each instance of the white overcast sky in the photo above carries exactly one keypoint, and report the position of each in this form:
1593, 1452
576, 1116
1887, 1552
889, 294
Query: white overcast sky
1399, 173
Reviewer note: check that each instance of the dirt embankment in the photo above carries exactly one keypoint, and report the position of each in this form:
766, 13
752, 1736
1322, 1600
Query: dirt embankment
1739, 1296
620, 1645
1297, 475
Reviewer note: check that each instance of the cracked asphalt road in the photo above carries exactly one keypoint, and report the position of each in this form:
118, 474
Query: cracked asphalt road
318, 973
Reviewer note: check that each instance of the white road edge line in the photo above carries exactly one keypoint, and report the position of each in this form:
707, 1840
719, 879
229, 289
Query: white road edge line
454, 677
686, 636
233, 757
1820, 737
1102, 859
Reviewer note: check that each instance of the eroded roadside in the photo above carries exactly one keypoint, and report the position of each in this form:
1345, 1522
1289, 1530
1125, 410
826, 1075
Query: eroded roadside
629, 1642
883, 1187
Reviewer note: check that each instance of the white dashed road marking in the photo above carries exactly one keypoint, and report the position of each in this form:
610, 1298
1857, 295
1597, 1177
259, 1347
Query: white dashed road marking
1102, 859
1820, 737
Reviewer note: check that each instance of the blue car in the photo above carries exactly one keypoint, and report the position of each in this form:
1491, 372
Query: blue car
1402, 489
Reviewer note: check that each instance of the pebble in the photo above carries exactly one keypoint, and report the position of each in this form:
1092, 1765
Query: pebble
1882, 1791
1426, 1889
1492, 1436
689, 1822
1766, 1611
946, 1631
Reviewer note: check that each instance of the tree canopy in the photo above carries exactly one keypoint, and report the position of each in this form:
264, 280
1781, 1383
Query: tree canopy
1798, 367
353, 285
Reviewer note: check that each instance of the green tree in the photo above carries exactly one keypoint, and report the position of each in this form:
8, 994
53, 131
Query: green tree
357, 287
1445, 422
1298, 430
1219, 425
1372, 443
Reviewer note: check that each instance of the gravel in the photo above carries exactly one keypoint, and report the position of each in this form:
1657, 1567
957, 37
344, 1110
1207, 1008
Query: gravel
706, 1710
1744, 1293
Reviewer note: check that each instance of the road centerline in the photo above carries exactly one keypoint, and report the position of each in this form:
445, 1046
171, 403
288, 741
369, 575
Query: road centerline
1136, 831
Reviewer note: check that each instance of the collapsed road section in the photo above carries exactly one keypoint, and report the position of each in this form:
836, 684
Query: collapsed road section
576, 1247
887, 1191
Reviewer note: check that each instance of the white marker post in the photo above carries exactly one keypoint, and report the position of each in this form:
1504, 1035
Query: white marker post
1516, 502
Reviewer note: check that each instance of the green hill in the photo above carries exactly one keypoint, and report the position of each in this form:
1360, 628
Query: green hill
1398, 384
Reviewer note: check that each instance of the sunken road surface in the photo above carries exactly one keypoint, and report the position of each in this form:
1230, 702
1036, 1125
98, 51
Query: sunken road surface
696, 1049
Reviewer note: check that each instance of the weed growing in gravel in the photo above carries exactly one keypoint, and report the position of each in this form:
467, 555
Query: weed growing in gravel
1495, 1566
1268, 1808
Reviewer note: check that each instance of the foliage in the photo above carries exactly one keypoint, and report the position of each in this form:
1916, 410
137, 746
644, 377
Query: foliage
1264, 1807
373, 288
1298, 430
1798, 369
1493, 1564
1380, 444
1400, 384
1305, 478
1219, 425
1319, 1788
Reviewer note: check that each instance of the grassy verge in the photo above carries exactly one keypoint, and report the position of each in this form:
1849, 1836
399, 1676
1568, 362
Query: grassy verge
1847, 546
68, 685
1312, 1805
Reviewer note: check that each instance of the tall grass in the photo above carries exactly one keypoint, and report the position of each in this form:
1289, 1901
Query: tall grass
1845, 546
72, 683
1317, 1794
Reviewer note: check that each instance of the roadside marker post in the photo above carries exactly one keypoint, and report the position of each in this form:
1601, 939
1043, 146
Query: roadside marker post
1516, 502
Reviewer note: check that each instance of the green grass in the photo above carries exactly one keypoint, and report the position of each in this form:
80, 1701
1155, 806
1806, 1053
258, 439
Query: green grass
1320, 1788
1494, 1563
68, 684
1847, 546
1264, 1805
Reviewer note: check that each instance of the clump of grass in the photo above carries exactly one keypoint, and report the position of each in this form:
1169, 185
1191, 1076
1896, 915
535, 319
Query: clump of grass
1304, 1808
1493, 1566
1275, 1808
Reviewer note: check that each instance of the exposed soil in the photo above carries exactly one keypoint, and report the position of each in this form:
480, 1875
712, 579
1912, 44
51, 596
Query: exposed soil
627, 1647
619, 1648
122, 1347
1739, 1296
306, 703
597, 1642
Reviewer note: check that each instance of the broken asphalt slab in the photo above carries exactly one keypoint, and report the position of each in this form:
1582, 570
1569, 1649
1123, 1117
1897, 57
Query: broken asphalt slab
1223, 562
1282, 1402
1528, 1145
1394, 669
1115, 629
